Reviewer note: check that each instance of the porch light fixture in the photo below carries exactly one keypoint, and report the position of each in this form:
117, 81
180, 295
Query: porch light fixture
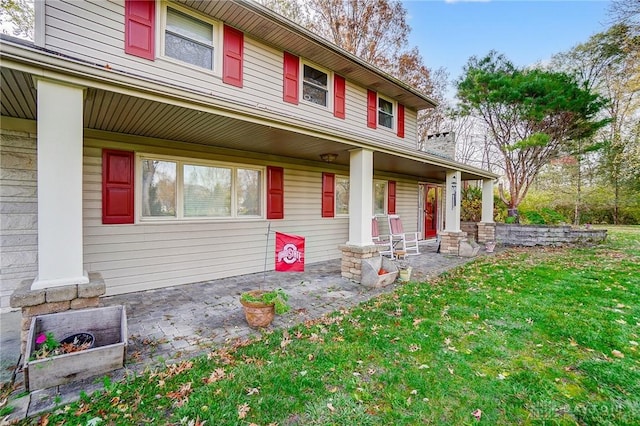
328, 157
454, 186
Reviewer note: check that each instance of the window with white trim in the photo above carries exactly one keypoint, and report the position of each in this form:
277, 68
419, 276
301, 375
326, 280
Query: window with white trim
189, 39
315, 85
342, 195
187, 189
385, 113
379, 197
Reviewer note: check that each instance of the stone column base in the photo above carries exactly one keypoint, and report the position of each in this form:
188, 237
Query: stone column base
450, 241
486, 232
55, 299
352, 257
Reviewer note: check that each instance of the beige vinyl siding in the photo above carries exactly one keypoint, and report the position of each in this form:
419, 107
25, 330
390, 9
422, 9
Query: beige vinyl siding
93, 31
406, 205
18, 210
151, 255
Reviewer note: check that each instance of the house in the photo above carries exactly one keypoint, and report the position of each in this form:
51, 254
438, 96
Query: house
151, 143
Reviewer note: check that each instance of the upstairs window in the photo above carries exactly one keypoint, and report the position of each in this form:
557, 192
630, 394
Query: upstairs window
315, 85
385, 113
189, 39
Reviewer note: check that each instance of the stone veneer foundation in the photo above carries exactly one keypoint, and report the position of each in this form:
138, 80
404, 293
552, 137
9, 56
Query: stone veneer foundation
55, 299
352, 256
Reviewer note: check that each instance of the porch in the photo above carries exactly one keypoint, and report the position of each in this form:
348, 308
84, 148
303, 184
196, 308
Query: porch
180, 322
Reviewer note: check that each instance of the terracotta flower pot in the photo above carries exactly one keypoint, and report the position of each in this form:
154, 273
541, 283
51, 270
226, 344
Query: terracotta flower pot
258, 314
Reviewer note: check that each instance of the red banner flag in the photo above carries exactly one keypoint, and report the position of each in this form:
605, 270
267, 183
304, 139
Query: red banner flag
289, 253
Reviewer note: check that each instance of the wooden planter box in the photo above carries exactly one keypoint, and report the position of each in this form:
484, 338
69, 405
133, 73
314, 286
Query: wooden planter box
108, 325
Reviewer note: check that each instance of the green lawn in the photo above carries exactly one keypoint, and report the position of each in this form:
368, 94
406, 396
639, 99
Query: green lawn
529, 336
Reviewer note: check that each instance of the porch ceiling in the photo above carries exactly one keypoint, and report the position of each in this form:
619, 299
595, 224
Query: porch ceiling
126, 114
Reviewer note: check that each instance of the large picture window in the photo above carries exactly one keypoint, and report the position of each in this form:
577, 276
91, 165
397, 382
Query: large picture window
184, 189
189, 39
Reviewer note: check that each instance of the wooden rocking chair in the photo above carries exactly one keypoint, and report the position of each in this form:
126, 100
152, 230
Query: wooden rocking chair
405, 241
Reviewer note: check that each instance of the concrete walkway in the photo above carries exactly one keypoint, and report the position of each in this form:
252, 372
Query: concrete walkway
174, 323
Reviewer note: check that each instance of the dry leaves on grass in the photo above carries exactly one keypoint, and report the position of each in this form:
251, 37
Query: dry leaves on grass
181, 396
216, 375
243, 410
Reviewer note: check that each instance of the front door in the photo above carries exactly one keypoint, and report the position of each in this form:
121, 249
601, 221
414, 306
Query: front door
431, 211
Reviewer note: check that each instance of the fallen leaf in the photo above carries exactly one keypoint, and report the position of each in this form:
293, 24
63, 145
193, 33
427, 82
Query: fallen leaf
286, 340
617, 353
253, 391
217, 374
243, 410
477, 414
330, 407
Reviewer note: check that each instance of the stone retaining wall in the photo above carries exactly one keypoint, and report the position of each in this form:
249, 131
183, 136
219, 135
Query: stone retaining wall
546, 235
471, 228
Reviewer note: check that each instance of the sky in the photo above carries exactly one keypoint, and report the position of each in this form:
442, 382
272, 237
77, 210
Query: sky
449, 32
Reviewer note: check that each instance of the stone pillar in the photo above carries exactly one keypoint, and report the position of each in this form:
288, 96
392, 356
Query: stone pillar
450, 241
60, 140
55, 299
486, 232
487, 201
360, 197
352, 257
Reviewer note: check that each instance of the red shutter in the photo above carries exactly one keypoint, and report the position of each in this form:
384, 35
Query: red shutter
275, 192
339, 97
117, 186
391, 197
291, 74
139, 28
372, 109
232, 56
400, 121
328, 195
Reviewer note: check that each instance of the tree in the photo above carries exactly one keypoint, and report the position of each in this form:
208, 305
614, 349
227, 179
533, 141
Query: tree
625, 11
609, 63
531, 115
17, 18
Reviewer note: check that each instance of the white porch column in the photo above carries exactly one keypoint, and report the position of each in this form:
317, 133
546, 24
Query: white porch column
487, 201
452, 203
360, 197
59, 185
